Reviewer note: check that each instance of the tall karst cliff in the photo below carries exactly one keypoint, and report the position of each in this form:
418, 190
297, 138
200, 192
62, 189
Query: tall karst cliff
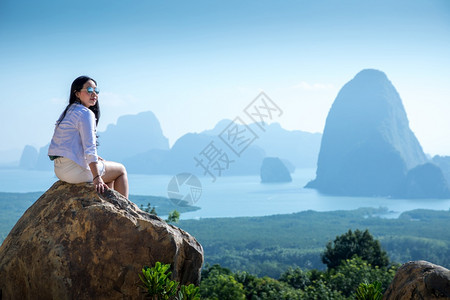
367, 146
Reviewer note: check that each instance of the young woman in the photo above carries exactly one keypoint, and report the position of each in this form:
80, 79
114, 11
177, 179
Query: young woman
74, 144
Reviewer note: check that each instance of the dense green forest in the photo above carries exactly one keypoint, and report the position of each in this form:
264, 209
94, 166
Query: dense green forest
340, 283
268, 246
357, 268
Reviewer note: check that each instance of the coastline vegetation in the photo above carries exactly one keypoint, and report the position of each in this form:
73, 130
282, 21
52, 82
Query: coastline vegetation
284, 255
268, 246
349, 275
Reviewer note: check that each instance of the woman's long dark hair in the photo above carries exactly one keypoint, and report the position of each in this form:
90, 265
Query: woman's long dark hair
77, 85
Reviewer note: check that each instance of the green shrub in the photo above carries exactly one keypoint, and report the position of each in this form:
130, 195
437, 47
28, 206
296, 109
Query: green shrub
221, 287
157, 282
370, 291
158, 285
189, 292
351, 272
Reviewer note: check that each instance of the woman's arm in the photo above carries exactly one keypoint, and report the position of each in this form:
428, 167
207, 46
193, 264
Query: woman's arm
89, 141
86, 127
100, 185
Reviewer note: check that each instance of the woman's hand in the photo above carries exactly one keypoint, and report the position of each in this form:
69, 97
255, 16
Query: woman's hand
100, 185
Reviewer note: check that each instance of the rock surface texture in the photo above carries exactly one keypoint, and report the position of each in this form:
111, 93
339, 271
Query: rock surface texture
73, 243
419, 280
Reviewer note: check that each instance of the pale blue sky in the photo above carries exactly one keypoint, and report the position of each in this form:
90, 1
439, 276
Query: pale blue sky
195, 62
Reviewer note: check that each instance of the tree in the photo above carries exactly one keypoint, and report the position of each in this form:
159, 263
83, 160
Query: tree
319, 290
221, 286
352, 272
149, 209
297, 278
266, 288
219, 283
360, 243
174, 217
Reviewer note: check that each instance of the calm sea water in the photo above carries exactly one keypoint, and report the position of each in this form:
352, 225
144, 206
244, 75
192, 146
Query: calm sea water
233, 196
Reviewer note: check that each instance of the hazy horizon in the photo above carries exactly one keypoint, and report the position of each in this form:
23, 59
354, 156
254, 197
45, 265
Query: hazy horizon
194, 64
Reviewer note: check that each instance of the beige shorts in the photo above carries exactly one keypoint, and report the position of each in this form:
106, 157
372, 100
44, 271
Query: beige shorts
69, 171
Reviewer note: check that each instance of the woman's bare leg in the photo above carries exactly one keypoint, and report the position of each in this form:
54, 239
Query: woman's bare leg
116, 177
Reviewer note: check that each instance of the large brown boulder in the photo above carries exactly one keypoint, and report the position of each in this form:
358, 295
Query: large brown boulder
73, 243
419, 280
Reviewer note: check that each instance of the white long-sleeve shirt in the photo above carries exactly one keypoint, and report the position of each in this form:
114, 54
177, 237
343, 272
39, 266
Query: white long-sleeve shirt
75, 137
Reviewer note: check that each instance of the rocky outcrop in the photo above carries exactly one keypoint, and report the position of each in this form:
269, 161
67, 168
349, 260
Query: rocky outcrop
367, 146
301, 148
273, 170
298, 147
43, 163
73, 243
419, 280
444, 163
193, 150
28, 158
426, 181
138, 133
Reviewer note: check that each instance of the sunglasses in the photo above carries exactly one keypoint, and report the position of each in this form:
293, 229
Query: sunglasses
90, 90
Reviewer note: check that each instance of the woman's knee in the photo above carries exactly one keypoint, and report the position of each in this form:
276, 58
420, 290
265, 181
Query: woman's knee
122, 169
115, 168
